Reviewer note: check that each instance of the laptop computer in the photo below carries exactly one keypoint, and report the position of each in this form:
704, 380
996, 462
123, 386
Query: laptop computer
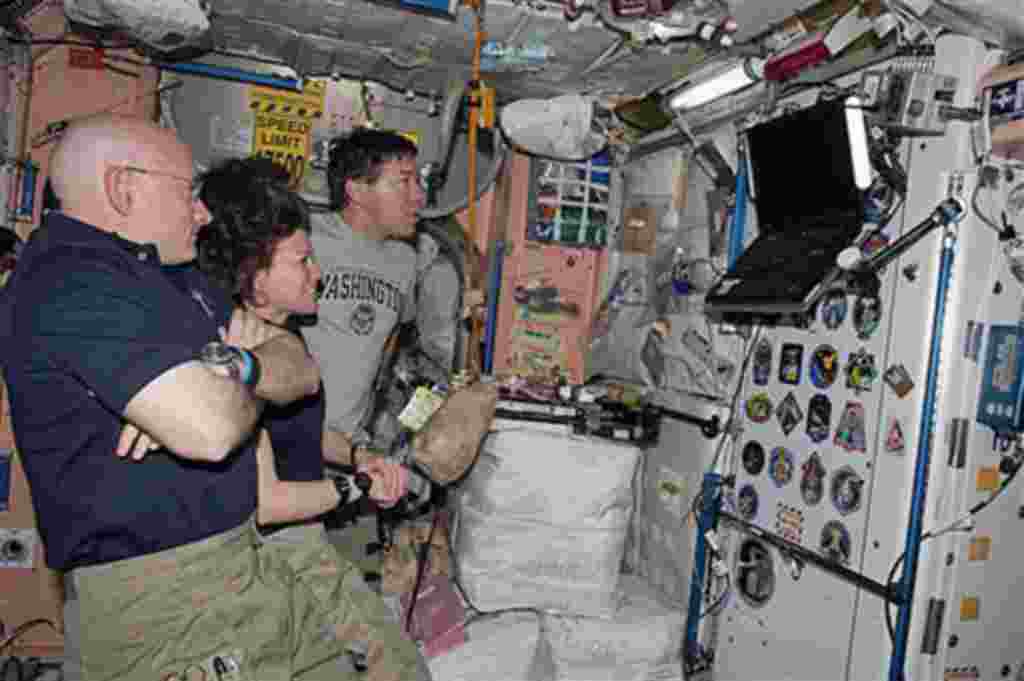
809, 197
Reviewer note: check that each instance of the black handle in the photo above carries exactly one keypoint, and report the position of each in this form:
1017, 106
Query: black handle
709, 427
364, 482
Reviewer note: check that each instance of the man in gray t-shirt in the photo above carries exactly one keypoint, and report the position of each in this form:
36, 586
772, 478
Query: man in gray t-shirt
368, 275
367, 290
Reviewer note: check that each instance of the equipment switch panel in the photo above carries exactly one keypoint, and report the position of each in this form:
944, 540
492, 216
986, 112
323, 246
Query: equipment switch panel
999, 405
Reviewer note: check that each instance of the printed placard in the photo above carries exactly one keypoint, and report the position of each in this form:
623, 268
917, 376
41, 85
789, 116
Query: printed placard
283, 121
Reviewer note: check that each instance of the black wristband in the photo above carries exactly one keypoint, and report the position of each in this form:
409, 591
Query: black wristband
349, 488
344, 488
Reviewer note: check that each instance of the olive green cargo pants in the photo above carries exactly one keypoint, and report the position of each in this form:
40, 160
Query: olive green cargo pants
238, 607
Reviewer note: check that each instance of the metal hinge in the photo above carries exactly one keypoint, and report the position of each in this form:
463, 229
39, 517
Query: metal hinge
958, 443
955, 185
933, 626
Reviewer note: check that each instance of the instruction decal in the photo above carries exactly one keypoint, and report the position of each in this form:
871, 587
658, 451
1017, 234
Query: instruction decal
980, 548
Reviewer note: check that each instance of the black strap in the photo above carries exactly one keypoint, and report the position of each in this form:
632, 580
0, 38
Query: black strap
450, 250
421, 567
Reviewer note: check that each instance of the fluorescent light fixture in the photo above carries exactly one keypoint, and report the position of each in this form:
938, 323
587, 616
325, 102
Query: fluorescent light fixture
858, 136
732, 79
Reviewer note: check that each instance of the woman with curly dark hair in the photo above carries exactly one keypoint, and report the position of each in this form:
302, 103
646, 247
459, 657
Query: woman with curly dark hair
255, 214
257, 247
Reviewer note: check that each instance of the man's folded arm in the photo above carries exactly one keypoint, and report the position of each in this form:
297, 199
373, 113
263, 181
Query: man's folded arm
194, 412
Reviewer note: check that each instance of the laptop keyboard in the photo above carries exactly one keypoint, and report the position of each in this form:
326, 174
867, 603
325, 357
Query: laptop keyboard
813, 249
780, 288
784, 266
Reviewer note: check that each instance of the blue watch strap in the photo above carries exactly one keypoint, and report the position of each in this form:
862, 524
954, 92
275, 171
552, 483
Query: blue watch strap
250, 374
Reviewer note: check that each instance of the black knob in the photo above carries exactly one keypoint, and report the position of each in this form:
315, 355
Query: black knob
711, 427
364, 482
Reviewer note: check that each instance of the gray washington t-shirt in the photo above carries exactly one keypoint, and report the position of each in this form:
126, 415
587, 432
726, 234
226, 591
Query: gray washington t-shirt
367, 290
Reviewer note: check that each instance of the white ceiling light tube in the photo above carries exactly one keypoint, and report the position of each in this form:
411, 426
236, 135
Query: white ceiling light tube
733, 79
858, 136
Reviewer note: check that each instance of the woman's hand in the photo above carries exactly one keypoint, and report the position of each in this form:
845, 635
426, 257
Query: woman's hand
390, 480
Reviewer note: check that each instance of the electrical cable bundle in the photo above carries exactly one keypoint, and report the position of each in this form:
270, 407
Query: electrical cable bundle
962, 524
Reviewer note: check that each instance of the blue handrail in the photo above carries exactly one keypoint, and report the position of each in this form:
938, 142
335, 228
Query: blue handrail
739, 213
711, 494
228, 73
924, 446
493, 288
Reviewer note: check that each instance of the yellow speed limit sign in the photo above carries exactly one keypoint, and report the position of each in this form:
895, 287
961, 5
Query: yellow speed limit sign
283, 121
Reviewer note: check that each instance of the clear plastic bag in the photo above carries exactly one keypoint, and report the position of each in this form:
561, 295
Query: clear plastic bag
621, 326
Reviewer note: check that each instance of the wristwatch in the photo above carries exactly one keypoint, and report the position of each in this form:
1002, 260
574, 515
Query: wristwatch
232, 362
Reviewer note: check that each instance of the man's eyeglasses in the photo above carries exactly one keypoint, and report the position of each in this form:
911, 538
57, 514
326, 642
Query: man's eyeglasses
193, 183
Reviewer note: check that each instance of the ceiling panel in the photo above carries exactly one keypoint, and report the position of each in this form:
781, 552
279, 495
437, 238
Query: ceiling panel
756, 16
533, 51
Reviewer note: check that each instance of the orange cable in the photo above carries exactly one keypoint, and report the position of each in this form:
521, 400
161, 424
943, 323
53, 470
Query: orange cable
474, 121
476, 326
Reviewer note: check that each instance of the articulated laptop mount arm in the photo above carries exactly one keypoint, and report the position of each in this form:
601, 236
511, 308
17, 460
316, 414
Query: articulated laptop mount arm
709, 427
863, 272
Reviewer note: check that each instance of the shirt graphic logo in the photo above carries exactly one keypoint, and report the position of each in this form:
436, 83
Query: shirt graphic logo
362, 320
360, 286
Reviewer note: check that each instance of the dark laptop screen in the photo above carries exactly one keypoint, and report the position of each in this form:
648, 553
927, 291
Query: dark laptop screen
802, 168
